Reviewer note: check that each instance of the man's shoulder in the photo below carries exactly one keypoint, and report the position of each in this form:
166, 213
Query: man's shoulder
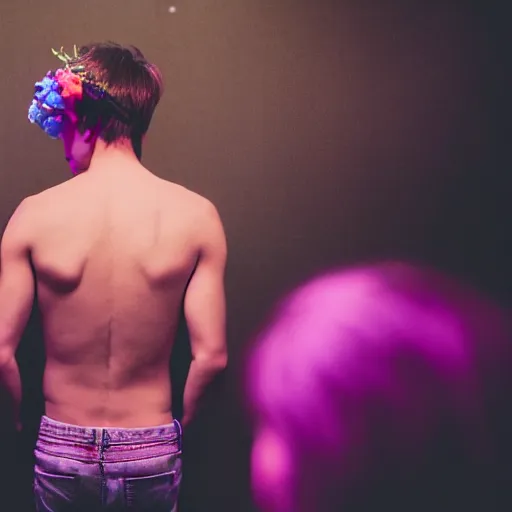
24, 212
21, 223
194, 202
46, 197
34, 207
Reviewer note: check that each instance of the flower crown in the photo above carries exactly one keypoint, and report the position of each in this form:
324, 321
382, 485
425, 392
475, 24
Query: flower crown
57, 93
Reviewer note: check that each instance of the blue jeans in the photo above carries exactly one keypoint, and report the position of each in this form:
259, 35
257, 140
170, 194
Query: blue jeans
93, 469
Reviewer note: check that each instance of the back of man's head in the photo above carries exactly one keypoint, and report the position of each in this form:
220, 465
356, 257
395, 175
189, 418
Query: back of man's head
131, 80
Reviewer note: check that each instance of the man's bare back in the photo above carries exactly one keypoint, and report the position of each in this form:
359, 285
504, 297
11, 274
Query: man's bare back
113, 257
113, 251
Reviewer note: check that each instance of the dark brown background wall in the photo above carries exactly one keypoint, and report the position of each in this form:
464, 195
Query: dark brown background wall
325, 131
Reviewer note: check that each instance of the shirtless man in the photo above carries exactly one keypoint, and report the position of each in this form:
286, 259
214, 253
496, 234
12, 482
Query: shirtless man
114, 253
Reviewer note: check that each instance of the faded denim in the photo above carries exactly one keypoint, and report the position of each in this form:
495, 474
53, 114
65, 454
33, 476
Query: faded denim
93, 468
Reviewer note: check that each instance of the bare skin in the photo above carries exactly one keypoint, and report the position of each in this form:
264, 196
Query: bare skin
117, 252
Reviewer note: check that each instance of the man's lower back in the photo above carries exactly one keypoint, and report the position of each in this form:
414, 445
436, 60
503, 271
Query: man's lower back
83, 394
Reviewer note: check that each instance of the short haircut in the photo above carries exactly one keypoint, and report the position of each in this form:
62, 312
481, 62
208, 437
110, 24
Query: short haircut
134, 84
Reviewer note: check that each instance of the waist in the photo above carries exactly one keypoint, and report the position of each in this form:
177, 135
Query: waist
53, 429
111, 444
117, 413
72, 398
81, 449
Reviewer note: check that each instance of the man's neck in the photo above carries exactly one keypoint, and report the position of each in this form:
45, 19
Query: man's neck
118, 155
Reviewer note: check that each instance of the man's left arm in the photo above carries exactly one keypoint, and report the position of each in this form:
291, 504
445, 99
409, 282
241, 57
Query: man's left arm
16, 299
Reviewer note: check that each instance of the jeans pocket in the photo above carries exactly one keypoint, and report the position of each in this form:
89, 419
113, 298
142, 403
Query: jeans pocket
54, 491
158, 493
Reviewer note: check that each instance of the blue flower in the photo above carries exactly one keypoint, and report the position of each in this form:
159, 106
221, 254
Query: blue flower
47, 106
52, 125
54, 100
33, 111
44, 87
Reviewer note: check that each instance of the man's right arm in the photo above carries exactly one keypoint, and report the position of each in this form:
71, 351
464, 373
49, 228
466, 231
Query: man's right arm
205, 313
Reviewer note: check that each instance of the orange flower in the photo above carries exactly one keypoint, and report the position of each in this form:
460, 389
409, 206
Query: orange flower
70, 83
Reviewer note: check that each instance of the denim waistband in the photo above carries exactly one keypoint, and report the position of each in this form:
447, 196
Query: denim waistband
113, 451
50, 428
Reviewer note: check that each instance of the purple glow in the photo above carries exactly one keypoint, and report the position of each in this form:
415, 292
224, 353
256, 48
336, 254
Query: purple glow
359, 369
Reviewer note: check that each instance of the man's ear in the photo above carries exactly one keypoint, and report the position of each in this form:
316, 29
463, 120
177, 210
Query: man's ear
91, 134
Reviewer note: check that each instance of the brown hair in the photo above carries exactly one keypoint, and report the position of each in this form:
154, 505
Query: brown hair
134, 84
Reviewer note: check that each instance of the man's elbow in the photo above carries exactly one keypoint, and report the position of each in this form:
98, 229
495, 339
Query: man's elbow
215, 361
219, 361
222, 361
7, 358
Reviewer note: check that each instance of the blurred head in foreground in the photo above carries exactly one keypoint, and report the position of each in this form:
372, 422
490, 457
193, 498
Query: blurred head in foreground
382, 386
